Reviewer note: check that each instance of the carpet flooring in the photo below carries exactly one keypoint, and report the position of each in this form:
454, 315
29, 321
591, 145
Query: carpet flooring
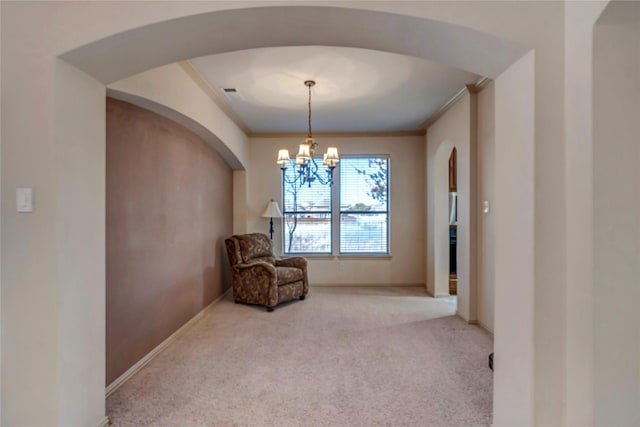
345, 356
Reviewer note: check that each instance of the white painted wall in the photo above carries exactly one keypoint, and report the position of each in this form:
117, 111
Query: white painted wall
407, 192
616, 215
513, 398
579, 20
29, 292
454, 128
485, 188
80, 230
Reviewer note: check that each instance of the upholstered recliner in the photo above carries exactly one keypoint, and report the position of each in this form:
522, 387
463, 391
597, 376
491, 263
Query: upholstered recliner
260, 278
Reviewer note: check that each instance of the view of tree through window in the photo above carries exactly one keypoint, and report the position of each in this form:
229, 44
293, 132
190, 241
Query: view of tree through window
363, 216
307, 216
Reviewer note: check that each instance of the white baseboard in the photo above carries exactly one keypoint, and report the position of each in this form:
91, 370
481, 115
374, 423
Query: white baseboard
483, 326
348, 285
476, 323
440, 295
164, 344
104, 422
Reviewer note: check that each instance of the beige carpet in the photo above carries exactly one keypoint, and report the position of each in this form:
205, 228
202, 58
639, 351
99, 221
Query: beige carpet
352, 356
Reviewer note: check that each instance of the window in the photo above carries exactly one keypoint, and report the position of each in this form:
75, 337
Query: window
364, 205
362, 216
307, 216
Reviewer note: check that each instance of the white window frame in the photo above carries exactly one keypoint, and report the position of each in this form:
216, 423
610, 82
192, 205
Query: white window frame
336, 216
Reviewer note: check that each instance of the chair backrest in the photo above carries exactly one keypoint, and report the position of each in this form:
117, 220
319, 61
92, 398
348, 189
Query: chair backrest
249, 248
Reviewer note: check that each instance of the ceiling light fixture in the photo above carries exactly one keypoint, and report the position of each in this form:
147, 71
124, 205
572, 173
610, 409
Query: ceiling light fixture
306, 166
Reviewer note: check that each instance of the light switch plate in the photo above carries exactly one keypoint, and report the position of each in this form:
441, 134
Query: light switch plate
485, 206
24, 200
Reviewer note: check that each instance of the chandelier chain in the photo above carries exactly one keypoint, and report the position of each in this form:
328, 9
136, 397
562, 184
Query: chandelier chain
309, 135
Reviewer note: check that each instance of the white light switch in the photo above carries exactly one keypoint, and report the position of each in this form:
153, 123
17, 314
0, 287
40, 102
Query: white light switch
485, 206
24, 199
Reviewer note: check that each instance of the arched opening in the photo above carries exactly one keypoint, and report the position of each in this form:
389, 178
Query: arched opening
78, 121
338, 33
454, 129
442, 259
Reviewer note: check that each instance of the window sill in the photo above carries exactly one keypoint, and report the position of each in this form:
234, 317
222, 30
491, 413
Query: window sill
365, 256
344, 256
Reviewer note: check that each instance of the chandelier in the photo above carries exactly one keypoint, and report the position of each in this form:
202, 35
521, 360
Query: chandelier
306, 166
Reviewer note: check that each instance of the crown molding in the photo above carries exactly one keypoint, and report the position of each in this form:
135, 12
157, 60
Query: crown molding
480, 84
416, 132
217, 99
444, 108
470, 88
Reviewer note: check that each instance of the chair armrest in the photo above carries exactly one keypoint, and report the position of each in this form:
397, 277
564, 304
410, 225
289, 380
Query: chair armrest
255, 283
269, 268
295, 261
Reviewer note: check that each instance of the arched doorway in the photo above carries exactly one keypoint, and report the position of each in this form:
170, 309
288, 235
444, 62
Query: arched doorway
75, 124
315, 32
454, 131
440, 186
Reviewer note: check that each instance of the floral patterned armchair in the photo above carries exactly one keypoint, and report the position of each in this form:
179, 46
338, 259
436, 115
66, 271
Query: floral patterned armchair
258, 277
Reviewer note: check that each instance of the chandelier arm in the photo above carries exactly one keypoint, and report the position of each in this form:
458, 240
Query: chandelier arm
316, 174
329, 179
305, 175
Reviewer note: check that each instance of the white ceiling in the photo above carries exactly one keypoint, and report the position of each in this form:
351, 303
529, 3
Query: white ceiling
357, 90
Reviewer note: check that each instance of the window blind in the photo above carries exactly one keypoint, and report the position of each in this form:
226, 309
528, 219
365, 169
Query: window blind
364, 205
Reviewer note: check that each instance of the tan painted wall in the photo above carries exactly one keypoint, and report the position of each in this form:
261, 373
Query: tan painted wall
485, 188
407, 198
169, 208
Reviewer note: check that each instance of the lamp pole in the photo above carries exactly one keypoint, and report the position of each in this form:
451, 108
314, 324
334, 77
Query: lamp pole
271, 228
272, 211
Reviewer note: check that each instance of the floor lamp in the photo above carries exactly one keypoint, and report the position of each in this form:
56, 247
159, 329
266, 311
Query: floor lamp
272, 211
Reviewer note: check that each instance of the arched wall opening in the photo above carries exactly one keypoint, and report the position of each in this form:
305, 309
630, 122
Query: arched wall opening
440, 230
71, 387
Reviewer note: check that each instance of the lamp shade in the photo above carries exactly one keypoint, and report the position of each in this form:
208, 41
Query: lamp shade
331, 156
272, 210
283, 157
304, 152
